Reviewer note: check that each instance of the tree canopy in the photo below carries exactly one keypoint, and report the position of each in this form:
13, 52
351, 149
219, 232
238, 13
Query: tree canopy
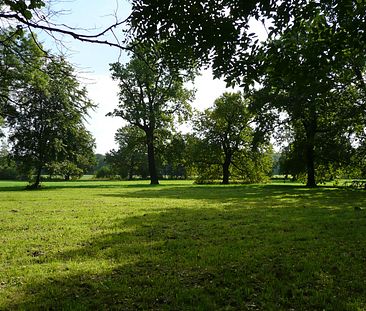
46, 120
218, 32
225, 138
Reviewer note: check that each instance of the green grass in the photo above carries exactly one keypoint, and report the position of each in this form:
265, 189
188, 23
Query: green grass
177, 246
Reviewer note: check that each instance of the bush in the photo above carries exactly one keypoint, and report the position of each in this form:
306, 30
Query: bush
8, 173
105, 172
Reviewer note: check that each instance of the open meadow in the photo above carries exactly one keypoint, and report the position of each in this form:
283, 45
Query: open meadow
178, 246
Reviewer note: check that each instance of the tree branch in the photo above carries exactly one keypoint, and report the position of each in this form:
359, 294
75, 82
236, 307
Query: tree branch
78, 36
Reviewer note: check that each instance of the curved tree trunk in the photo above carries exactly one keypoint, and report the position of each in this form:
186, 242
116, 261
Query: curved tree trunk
151, 159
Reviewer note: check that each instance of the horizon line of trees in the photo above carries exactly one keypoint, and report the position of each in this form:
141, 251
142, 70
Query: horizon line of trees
305, 82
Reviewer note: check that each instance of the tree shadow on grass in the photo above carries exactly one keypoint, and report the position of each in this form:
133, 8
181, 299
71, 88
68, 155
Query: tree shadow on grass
252, 195
82, 184
210, 259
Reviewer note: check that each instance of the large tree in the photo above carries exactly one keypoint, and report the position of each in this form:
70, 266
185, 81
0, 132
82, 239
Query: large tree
152, 96
313, 87
226, 135
46, 123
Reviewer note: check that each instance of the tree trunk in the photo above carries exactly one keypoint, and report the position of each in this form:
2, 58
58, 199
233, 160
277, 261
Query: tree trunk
130, 170
151, 159
67, 177
225, 170
38, 178
310, 129
310, 165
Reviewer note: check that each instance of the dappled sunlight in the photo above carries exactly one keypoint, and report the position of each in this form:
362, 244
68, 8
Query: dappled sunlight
197, 246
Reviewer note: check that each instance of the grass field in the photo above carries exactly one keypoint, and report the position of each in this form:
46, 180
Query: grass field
177, 246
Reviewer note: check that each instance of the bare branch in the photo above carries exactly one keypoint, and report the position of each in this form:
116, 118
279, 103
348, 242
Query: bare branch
78, 36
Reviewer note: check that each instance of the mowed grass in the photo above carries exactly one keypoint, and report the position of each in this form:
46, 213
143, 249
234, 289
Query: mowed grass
177, 246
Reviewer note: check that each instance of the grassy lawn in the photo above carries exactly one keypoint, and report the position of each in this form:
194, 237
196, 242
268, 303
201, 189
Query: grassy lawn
177, 246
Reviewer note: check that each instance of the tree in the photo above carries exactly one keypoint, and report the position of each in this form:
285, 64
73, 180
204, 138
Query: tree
151, 96
314, 86
225, 134
79, 157
46, 123
174, 158
130, 158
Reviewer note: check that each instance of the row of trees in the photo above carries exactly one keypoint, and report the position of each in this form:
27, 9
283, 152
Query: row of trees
306, 79
221, 145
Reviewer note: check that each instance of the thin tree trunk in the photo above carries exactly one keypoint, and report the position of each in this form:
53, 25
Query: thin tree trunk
151, 159
130, 170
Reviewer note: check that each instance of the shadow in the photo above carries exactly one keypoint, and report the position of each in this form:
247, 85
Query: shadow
84, 184
209, 259
250, 195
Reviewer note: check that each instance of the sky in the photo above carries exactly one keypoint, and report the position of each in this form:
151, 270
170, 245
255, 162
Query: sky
92, 64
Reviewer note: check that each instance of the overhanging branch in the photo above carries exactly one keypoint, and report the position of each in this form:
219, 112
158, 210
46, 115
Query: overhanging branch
93, 38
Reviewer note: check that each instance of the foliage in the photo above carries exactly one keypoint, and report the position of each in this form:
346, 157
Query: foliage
105, 172
226, 139
152, 96
19, 59
126, 245
8, 169
175, 162
217, 32
25, 8
130, 159
46, 125
65, 168
314, 86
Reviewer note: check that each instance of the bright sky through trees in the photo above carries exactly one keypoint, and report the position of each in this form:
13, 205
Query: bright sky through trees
92, 62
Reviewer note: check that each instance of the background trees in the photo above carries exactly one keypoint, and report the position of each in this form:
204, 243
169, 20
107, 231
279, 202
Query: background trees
130, 158
152, 95
310, 67
309, 70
